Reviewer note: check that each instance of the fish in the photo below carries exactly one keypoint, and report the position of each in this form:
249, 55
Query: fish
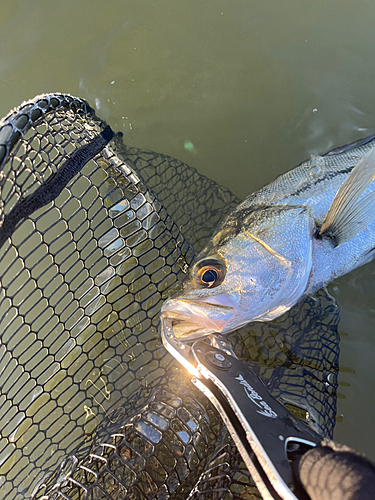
287, 240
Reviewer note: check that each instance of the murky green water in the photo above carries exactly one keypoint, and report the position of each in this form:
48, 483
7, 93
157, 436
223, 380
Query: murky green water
240, 90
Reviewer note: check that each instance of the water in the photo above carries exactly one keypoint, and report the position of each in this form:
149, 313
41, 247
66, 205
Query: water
242, 91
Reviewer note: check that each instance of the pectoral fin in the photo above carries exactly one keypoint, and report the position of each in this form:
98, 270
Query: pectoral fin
348, 215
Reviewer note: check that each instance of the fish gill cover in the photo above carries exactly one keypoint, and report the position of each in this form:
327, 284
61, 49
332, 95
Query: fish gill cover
93, 235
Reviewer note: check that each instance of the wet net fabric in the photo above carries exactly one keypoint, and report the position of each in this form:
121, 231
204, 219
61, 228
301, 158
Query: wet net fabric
93, 236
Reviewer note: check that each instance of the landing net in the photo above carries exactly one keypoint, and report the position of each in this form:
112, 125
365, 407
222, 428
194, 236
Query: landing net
94, 234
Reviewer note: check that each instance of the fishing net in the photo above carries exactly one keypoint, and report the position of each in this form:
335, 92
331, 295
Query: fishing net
94, 234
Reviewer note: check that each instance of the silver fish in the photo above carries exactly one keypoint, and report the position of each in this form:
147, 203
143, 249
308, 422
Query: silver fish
290, 238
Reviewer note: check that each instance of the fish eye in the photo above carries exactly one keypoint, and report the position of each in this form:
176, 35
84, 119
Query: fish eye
209, 273
209, 276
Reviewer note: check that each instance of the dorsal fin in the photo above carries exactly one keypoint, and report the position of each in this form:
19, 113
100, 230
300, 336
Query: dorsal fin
347, 216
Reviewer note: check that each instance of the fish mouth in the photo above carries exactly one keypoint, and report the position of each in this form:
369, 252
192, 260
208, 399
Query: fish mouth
193, 319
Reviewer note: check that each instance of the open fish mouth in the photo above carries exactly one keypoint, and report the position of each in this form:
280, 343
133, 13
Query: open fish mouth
193, 319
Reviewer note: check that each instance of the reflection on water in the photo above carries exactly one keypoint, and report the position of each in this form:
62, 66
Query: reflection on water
254, 87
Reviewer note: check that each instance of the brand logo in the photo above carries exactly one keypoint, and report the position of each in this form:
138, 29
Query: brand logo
256, 399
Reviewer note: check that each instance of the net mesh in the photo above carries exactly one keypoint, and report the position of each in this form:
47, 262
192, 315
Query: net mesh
93, 236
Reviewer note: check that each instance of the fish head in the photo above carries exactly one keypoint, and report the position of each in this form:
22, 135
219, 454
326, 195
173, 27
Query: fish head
252, 274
